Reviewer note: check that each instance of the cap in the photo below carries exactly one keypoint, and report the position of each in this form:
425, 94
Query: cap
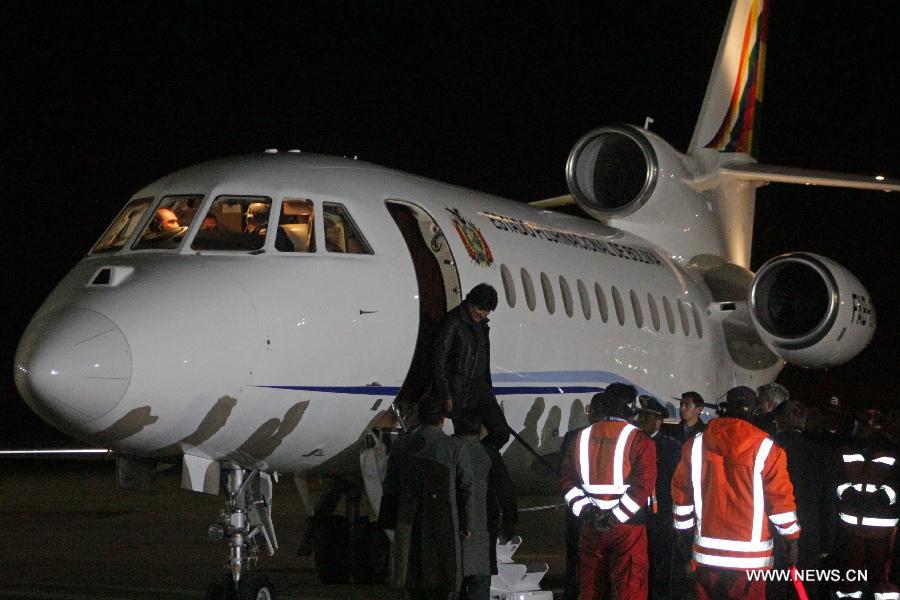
651, 404
741, 395
694, 397
617, 400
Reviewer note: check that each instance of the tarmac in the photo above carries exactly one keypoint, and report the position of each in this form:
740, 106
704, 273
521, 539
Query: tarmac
69, 532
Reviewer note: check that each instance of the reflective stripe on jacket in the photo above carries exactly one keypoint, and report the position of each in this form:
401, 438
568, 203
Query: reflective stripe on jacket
731, 479
866, 491
612, 466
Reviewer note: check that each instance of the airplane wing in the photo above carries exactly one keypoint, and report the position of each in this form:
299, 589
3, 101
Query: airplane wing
769, 173
553, 202
763, 174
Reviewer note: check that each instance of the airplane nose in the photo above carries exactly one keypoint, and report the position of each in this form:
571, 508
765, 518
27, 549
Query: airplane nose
73, 366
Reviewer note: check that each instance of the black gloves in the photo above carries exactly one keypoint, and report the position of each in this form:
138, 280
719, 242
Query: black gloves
793, 552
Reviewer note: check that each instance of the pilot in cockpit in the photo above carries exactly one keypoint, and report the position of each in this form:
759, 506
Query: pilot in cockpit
257, 219
164, 225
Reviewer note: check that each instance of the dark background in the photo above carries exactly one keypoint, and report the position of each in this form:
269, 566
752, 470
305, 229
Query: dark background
102, 98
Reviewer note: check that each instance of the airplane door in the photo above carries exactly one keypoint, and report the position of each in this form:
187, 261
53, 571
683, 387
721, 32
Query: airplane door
438, 283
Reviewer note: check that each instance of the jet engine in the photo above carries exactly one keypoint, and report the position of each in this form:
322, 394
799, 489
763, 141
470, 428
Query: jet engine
811, 311
614, 171
632, 179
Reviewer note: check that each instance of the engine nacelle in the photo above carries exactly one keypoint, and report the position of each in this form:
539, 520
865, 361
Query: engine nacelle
811, 311
632, 179
612, 171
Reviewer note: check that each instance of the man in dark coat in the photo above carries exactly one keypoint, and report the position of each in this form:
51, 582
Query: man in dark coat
689, 409
461, 363
772, 397
426, 502
813, 488
660, 536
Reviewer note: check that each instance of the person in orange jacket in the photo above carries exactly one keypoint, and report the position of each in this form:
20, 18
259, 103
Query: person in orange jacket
607, 478
731, 480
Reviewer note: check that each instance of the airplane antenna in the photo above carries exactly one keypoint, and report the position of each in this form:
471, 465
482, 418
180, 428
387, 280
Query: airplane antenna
647, 122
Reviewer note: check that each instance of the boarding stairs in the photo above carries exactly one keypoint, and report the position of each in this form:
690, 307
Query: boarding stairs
517, 581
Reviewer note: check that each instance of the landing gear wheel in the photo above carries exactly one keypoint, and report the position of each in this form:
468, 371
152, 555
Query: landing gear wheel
257, 587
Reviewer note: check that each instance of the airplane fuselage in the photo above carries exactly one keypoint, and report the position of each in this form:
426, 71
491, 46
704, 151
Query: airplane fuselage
282, 360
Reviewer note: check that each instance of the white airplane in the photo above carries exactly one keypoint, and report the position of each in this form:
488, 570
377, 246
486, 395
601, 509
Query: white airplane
261, 314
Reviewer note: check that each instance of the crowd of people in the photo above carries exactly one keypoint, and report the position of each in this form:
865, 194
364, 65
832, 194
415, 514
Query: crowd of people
654, 510
705, 509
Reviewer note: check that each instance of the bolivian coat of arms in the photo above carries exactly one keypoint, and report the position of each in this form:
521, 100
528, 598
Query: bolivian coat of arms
472, 239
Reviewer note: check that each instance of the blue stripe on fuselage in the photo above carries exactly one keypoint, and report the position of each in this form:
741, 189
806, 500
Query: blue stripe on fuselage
551, 377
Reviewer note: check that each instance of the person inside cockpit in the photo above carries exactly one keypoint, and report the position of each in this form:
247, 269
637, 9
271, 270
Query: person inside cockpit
164, 225
257, 219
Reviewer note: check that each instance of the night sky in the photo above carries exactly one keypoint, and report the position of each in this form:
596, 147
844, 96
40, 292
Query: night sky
103, 98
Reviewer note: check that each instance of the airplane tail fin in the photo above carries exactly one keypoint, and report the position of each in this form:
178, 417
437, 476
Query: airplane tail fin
730, 115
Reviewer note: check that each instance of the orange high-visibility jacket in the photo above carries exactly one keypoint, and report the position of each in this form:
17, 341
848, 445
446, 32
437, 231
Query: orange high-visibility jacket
732, 478
612, 466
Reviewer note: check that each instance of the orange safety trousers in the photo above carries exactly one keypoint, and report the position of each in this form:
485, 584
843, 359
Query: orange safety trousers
615, 559
728, 584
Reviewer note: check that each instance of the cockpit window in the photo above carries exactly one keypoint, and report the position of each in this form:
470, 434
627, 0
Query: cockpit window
167, 226
295, 227
117, 234
341, 233
234, 223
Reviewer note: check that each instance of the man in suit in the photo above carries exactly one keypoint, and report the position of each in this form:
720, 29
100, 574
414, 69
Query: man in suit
660, 537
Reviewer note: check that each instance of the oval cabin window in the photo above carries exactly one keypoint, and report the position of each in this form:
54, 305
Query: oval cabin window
566, 296
585, 300
509, 286
528, 288
549, 298
620, 308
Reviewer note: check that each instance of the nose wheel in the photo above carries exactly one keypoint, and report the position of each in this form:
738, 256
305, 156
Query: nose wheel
246, 523
254, 587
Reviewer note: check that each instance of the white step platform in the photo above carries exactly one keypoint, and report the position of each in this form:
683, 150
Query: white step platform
517, 581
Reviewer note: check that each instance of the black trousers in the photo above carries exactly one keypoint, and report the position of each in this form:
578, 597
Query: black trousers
485, 404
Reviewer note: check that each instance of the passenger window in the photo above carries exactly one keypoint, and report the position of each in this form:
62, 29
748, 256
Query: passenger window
234, 223
295, 231
566, 295
636, 307
585, 300
620, 308
508, 286
698, 322
654, 311
528, 287
670, 316
601, 302
341, 233
120, 231
549, 298
685, 323
167, 226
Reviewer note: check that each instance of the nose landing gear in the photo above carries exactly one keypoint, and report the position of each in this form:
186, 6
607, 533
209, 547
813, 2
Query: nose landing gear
246, 522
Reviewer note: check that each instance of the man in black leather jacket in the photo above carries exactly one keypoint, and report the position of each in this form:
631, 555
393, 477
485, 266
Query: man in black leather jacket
462, 363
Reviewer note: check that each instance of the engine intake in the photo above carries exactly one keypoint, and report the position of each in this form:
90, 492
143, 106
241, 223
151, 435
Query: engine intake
811, 311
612, 171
